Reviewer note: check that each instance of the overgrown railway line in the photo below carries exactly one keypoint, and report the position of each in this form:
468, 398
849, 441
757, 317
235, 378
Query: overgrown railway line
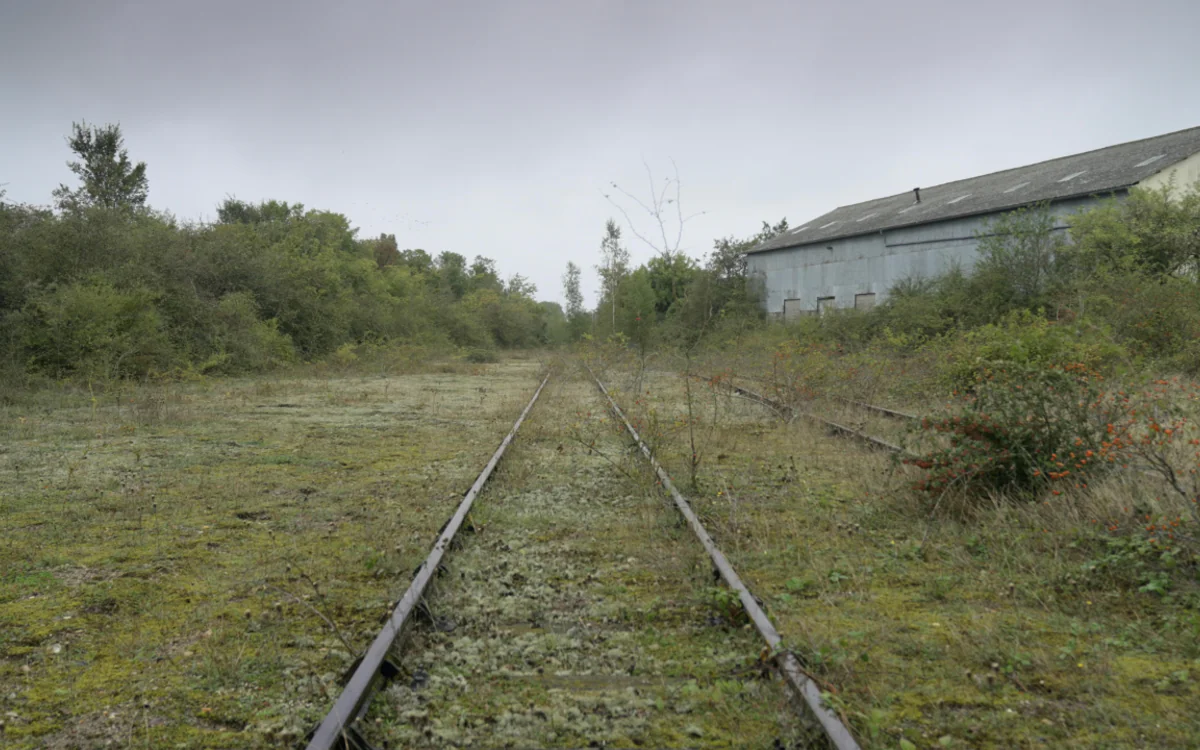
836, 427
337, 728
541, 563
789, 666
872, 441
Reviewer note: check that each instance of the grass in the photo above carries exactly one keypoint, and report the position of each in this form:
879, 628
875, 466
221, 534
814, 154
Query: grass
1013, 626
189, 565
195, 565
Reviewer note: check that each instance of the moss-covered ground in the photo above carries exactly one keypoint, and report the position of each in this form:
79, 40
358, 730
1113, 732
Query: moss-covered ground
1018, 626
189, 565
580, 613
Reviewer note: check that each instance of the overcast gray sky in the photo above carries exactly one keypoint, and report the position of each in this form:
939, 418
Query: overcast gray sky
493, 128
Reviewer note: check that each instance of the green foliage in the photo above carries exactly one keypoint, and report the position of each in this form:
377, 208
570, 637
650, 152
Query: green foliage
613, 270
102, 290
726, 606
578, 320
94, 329
669, 277
1136, 560
481, 355
1023, 339
730, 290
556, 329
243, 341
1153, 232
1023, 427
1153, 318
1021, 264
638, 309
110, 179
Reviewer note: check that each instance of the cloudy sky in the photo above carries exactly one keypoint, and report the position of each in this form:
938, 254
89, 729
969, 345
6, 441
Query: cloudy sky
495, 128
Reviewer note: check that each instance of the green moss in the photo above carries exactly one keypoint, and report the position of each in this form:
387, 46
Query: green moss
158, 582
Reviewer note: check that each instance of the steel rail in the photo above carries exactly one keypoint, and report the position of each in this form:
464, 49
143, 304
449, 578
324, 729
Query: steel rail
351, 704
879, 442
849, 431
799, 680
880, 409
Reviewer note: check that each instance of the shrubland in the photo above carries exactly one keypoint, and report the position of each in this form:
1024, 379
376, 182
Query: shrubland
103, 287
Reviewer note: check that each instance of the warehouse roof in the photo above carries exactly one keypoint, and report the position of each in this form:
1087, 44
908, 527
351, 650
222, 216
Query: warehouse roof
1093, 172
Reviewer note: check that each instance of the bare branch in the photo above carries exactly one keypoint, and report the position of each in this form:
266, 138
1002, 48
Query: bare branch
660, 198
628, 220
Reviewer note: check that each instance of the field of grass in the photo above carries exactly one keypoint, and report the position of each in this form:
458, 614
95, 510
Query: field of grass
196, 564
1018, 626
189, 565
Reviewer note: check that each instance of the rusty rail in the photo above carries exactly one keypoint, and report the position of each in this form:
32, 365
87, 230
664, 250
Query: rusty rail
797, 678
840, 428
336, 730
870, 439
880, 409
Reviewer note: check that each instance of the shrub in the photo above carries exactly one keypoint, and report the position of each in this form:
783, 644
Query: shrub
1022, 339
480, 355
243, 341
93, 329
1028, 428
1024, 426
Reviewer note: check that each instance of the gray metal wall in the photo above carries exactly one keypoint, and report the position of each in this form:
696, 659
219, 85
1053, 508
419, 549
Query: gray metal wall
873, 263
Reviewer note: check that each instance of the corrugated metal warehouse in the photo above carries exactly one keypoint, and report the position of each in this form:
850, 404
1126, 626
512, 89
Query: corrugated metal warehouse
852, 256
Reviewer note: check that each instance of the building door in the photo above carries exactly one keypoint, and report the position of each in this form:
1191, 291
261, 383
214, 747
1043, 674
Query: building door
824, 305
864, 301
792, 309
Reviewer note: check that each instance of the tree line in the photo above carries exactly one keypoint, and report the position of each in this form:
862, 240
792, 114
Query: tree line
101, 285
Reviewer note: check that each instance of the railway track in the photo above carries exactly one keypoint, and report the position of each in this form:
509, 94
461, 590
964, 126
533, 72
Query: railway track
881, 410
799, 680
546, 633
863, 437
337, 729
837, 427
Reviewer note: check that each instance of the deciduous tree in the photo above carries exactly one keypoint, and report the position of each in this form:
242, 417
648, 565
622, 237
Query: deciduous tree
109, 179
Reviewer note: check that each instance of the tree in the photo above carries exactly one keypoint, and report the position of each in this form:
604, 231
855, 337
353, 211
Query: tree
1154, 232
637, 310
575, 314
417, 260
234, 211
1021, 264
519, 286
669, 277
614, 266
109, 179
664, 207
727, 260
483, 274
452, 268
386, 251
555, 330
728, 285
